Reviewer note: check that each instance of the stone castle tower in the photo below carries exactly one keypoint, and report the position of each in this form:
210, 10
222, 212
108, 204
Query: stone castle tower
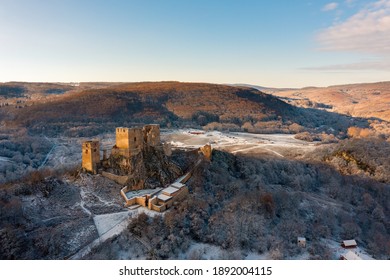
91, 156
131, 141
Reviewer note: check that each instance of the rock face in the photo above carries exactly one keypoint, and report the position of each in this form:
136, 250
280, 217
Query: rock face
150, 168
138, 159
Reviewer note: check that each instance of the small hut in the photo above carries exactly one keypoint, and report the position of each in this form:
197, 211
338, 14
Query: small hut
301, 242
349, 244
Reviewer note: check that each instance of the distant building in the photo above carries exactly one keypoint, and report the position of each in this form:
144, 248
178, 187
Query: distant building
301, 242
349, 244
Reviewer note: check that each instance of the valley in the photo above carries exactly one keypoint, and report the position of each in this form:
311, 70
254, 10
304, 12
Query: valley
279, 170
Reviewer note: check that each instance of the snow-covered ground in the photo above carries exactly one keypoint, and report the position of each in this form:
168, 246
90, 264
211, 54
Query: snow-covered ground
237, 142
106, 222
110, 225
211, 252
5, 159
204, 251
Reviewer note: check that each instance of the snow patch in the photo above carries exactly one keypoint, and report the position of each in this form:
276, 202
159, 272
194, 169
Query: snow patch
106, 222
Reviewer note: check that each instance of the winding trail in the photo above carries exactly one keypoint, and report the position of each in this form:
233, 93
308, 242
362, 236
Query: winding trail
117, 229
113, 231
47, 156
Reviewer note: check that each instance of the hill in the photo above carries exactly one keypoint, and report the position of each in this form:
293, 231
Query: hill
370, 100
95, 110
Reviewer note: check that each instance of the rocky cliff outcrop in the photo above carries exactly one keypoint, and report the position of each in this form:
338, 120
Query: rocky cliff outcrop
150, 168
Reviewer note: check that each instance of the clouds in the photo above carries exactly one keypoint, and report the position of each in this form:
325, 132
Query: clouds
330, 7
367, 31
378, 65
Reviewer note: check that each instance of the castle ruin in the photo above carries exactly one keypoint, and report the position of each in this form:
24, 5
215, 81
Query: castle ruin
139, 155
131, 141
91, 156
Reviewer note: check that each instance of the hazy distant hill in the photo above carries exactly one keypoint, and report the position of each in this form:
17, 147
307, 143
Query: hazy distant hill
358, 100
269, 90
33, 90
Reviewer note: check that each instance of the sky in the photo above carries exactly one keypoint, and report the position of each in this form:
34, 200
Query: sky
278, 43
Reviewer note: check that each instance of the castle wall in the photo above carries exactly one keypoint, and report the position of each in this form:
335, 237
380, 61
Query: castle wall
183, 179
116, 178
122, 152
167, 148
160, 206
130, 202
151, 134
141, 200
183, 192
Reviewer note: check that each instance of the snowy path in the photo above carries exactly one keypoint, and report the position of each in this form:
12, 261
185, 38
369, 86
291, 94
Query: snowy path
257, 147
117, 229
105, 222
276, 153
110, 225
47, 156
6, 159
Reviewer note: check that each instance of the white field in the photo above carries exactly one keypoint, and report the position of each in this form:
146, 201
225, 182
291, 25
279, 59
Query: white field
279, 145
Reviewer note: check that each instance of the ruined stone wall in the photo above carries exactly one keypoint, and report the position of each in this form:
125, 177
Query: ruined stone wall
152, 201
183, 192
121, 152
151, 134
159, 206
116, 178
153, 205
130, 202
206, 151
167, 148
91, 156
141, 200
